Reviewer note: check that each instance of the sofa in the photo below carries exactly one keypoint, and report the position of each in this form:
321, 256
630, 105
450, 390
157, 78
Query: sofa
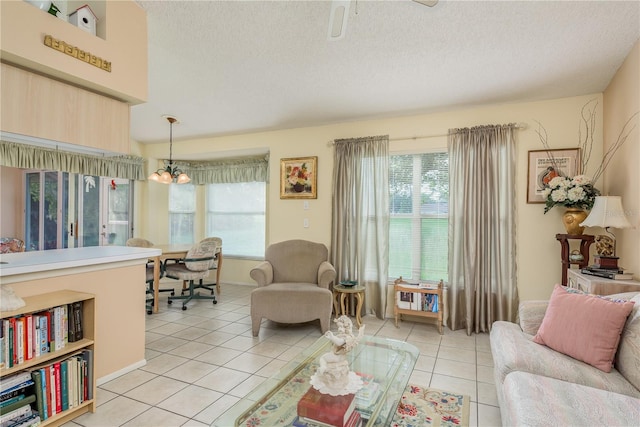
539, 386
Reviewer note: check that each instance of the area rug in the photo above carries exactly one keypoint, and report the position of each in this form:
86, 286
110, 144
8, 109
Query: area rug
431, 407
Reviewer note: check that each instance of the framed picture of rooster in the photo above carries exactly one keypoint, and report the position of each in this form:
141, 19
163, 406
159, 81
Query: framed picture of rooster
544, 165
298, 178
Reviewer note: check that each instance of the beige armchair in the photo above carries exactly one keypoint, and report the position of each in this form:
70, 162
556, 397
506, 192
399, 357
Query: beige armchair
293, 285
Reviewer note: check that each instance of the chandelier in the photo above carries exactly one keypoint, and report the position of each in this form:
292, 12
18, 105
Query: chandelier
170, 173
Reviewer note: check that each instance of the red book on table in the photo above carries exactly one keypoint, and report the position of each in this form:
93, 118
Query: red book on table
332, 410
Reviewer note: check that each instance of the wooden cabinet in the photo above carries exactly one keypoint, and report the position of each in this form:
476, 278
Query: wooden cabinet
40, 303
412, 297
584, 241
40, 107
600, 285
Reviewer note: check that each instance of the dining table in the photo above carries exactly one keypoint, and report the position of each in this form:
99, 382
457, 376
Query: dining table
177, 251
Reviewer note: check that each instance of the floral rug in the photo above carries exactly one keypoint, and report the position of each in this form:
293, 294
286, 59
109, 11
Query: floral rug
431, 407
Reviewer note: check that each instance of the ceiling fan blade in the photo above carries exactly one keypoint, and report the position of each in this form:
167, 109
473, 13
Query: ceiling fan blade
429, 3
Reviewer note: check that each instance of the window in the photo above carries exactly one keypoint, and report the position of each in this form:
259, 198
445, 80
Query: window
64, 210
236, 213
418, 228
182, 212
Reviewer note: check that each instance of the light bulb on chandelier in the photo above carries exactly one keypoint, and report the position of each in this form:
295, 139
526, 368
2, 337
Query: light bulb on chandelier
170, 173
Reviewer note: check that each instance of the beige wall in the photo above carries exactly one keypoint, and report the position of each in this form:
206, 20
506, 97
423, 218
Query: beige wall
11, 202
538, 250
622, 177
123, 26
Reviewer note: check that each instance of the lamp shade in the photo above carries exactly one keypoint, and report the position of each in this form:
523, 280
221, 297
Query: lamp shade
607, 211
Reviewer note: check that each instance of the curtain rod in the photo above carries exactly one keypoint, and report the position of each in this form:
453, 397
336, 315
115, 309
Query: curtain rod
406, 138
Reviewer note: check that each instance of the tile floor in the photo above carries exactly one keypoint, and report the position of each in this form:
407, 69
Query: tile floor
203, 360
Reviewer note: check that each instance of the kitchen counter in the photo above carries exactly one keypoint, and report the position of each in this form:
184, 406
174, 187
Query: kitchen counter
116, 275
54, 261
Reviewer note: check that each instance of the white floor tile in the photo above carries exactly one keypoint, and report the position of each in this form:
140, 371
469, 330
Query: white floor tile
128, 381
156, 390
222, 379
190, 400
488, 416
158, 418
115, 412
202, 360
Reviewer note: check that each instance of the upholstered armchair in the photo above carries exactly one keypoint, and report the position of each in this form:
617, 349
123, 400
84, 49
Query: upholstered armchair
293, 285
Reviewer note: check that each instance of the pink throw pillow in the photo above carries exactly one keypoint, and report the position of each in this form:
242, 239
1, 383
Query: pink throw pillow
584, 327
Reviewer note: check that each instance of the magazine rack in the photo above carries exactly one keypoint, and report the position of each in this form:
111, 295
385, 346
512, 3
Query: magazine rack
410, 299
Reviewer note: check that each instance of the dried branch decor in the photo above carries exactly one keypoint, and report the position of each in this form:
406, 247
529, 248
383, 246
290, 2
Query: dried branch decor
586, 130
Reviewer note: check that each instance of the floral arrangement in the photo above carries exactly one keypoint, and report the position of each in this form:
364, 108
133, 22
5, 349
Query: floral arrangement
298, 175
577, 192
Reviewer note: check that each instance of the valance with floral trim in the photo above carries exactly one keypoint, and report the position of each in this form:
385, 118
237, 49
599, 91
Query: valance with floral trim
26, 156
238, 169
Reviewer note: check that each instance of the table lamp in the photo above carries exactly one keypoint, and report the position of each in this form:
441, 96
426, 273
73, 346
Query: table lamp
607, 212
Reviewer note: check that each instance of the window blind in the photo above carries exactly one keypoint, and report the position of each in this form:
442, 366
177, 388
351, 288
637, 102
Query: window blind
418, 231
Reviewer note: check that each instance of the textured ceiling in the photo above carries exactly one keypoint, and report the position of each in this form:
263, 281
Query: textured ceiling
227, 67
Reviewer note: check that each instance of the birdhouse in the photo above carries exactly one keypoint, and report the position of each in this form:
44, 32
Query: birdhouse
85, 19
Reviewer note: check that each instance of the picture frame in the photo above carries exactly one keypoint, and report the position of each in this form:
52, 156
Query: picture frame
544, 165
298, 178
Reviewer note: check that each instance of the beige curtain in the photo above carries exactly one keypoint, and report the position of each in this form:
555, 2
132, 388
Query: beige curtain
360, 216
26, 156
482, 229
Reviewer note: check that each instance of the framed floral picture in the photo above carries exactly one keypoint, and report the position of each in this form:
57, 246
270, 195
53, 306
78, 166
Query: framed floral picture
544, 165
298, 178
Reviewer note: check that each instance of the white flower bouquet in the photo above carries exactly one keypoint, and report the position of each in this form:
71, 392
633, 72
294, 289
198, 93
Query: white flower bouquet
577, 192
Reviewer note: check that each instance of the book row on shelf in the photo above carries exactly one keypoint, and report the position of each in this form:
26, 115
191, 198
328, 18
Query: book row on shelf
418, 301
30, 397
31, 335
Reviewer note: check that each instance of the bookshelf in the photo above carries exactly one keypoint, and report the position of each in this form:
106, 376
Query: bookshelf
413, 307
40, 303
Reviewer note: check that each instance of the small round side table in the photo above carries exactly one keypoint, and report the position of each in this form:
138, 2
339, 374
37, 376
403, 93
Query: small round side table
340, 293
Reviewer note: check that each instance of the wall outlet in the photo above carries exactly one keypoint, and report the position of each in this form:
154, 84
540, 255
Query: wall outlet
305, 223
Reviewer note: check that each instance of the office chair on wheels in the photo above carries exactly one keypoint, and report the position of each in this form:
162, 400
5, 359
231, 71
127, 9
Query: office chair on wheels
217, 265
195, 266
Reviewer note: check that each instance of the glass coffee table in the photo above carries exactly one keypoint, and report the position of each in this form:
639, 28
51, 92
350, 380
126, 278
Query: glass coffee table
385, 366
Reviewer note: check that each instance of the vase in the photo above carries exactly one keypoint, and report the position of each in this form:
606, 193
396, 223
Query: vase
572, 219
298, 188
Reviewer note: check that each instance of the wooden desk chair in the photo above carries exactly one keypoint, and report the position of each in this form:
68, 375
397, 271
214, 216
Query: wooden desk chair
137, 242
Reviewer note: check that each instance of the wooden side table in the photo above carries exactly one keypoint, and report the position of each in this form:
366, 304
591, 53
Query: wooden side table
585, 241
340, 294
